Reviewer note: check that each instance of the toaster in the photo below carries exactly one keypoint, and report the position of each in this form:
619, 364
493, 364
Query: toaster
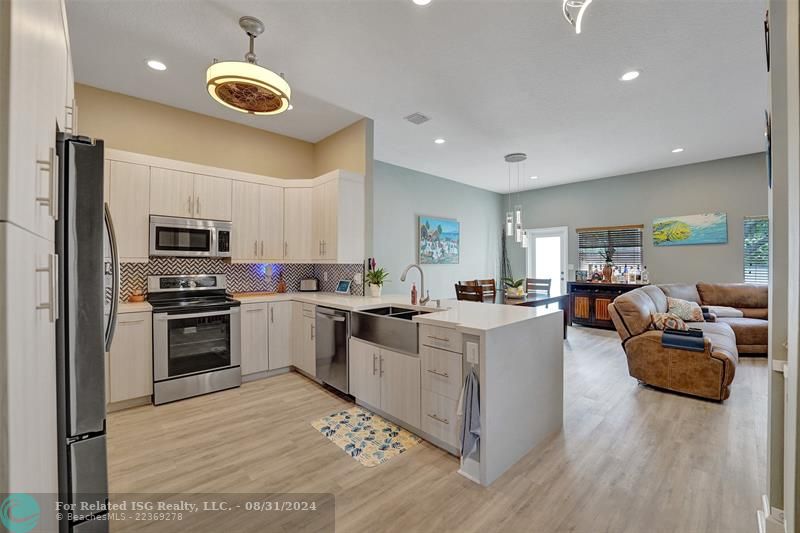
309, 285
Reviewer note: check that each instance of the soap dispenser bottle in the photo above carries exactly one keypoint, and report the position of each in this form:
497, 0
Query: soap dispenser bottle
413, 294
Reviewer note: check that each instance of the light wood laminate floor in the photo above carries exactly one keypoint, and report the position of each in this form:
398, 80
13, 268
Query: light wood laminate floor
630, 458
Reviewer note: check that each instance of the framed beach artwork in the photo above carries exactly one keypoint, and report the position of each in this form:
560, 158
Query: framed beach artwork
439, 241
708, 228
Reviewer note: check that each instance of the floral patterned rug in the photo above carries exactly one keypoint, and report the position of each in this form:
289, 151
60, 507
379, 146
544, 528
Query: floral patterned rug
364, 436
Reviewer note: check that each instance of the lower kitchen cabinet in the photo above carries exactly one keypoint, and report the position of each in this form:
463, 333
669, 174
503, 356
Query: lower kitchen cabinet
439, 417
255, 357
387, 380
304, 351
130, 359
280, 335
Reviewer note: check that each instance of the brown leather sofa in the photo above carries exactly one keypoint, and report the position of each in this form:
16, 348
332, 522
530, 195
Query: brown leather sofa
707, 374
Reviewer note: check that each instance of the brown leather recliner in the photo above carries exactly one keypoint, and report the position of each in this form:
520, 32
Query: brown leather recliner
707, 374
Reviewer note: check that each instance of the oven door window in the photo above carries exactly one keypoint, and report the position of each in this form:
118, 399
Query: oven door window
182, 239
198, 344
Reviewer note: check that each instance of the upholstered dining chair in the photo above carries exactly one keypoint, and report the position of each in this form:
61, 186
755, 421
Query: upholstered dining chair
470, 293
541, 286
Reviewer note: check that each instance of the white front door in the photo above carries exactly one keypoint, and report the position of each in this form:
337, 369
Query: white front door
547, 257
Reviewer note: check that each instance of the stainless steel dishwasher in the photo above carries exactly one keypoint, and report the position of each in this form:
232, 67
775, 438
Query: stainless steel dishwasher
332, 337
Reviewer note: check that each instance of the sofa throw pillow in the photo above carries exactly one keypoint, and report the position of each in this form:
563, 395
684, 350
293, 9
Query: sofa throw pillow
686, 310
724, 312
662, 321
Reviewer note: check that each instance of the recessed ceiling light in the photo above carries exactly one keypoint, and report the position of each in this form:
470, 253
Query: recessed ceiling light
630, 76
439, 141
291, 107
156, 65
534, 177
422, 2
677, 150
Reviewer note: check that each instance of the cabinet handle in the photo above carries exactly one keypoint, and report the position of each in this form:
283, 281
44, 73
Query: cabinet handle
50, 165
255, 248
52, 287
69, 117
272, 315
381, 365
312, 333
374, 364
442, 339
324, 247
442, 374
285, 249
442, 420
197, 210
320, 248
262, 248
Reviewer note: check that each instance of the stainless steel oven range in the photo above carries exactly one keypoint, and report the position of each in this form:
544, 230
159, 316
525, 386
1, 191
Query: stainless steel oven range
196, 336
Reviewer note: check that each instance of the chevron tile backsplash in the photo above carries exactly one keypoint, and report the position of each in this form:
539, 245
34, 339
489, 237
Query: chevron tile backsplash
240, 277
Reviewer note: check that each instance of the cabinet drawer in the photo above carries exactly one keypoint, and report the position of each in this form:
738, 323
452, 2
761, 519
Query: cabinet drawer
439, 337
441, 372
439, 417
308, 310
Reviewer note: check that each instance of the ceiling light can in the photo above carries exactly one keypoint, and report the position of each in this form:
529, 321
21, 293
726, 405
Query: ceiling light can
155, 64
630, 75
439, 141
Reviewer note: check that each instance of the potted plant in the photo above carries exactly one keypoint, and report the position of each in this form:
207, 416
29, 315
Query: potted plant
376, 278
608, 270
515, 288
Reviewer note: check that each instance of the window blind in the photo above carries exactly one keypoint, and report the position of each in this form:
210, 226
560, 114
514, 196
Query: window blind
626, 241
756, 250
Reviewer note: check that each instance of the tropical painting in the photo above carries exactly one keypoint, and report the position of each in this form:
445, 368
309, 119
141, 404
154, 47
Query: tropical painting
708, 228
439, 241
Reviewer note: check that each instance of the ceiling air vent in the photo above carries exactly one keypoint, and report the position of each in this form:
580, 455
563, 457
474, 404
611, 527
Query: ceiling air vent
417, 118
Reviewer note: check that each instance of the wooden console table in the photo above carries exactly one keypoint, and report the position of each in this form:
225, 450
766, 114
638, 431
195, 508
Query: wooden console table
588, 302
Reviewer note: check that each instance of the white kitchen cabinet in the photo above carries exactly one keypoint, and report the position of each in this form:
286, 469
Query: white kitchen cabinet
365, 379
131, 358
304, 352
212, 198
34, 66
297, 224
280, 335
171, 193
244, 240
257, 222
386, 380
255, 338
27, 346
271, 223
129, 199
337, 226
183, 194
400, 386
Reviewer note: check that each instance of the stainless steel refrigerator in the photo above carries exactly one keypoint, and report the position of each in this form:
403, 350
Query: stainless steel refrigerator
88, 292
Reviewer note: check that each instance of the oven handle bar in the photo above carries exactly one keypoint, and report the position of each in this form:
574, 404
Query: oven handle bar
167, 316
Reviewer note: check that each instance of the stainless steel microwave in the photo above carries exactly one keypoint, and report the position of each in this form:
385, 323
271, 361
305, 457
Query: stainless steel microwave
189, 237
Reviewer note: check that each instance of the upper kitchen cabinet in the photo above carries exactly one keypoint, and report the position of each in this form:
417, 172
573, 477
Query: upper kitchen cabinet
337, 226
212, 197
183, 194
257, 222
297, 224
128, 199
35, 56
171, 193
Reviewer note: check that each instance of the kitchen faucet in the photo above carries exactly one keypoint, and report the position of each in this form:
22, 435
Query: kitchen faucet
423, 299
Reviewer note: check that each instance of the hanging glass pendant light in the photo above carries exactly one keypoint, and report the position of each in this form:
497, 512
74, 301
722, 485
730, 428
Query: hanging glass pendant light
524, 239
515, 158
509, 214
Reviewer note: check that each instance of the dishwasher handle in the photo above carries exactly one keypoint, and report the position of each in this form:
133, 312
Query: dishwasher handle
335, 318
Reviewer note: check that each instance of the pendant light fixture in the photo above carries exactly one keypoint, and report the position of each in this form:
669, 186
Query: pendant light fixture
245, 85
514, 219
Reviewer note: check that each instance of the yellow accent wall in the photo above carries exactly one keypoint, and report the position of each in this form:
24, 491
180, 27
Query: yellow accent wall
141, 126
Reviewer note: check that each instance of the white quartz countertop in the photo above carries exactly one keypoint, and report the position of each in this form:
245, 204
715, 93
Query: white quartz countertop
469, 317
134, 307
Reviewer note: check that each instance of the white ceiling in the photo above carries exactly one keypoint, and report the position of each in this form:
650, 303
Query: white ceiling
496, 76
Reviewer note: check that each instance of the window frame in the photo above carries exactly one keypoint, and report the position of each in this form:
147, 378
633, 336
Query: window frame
748, 263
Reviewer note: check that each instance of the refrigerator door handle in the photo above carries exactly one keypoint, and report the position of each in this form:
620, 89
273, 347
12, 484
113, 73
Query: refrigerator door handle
115, 293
